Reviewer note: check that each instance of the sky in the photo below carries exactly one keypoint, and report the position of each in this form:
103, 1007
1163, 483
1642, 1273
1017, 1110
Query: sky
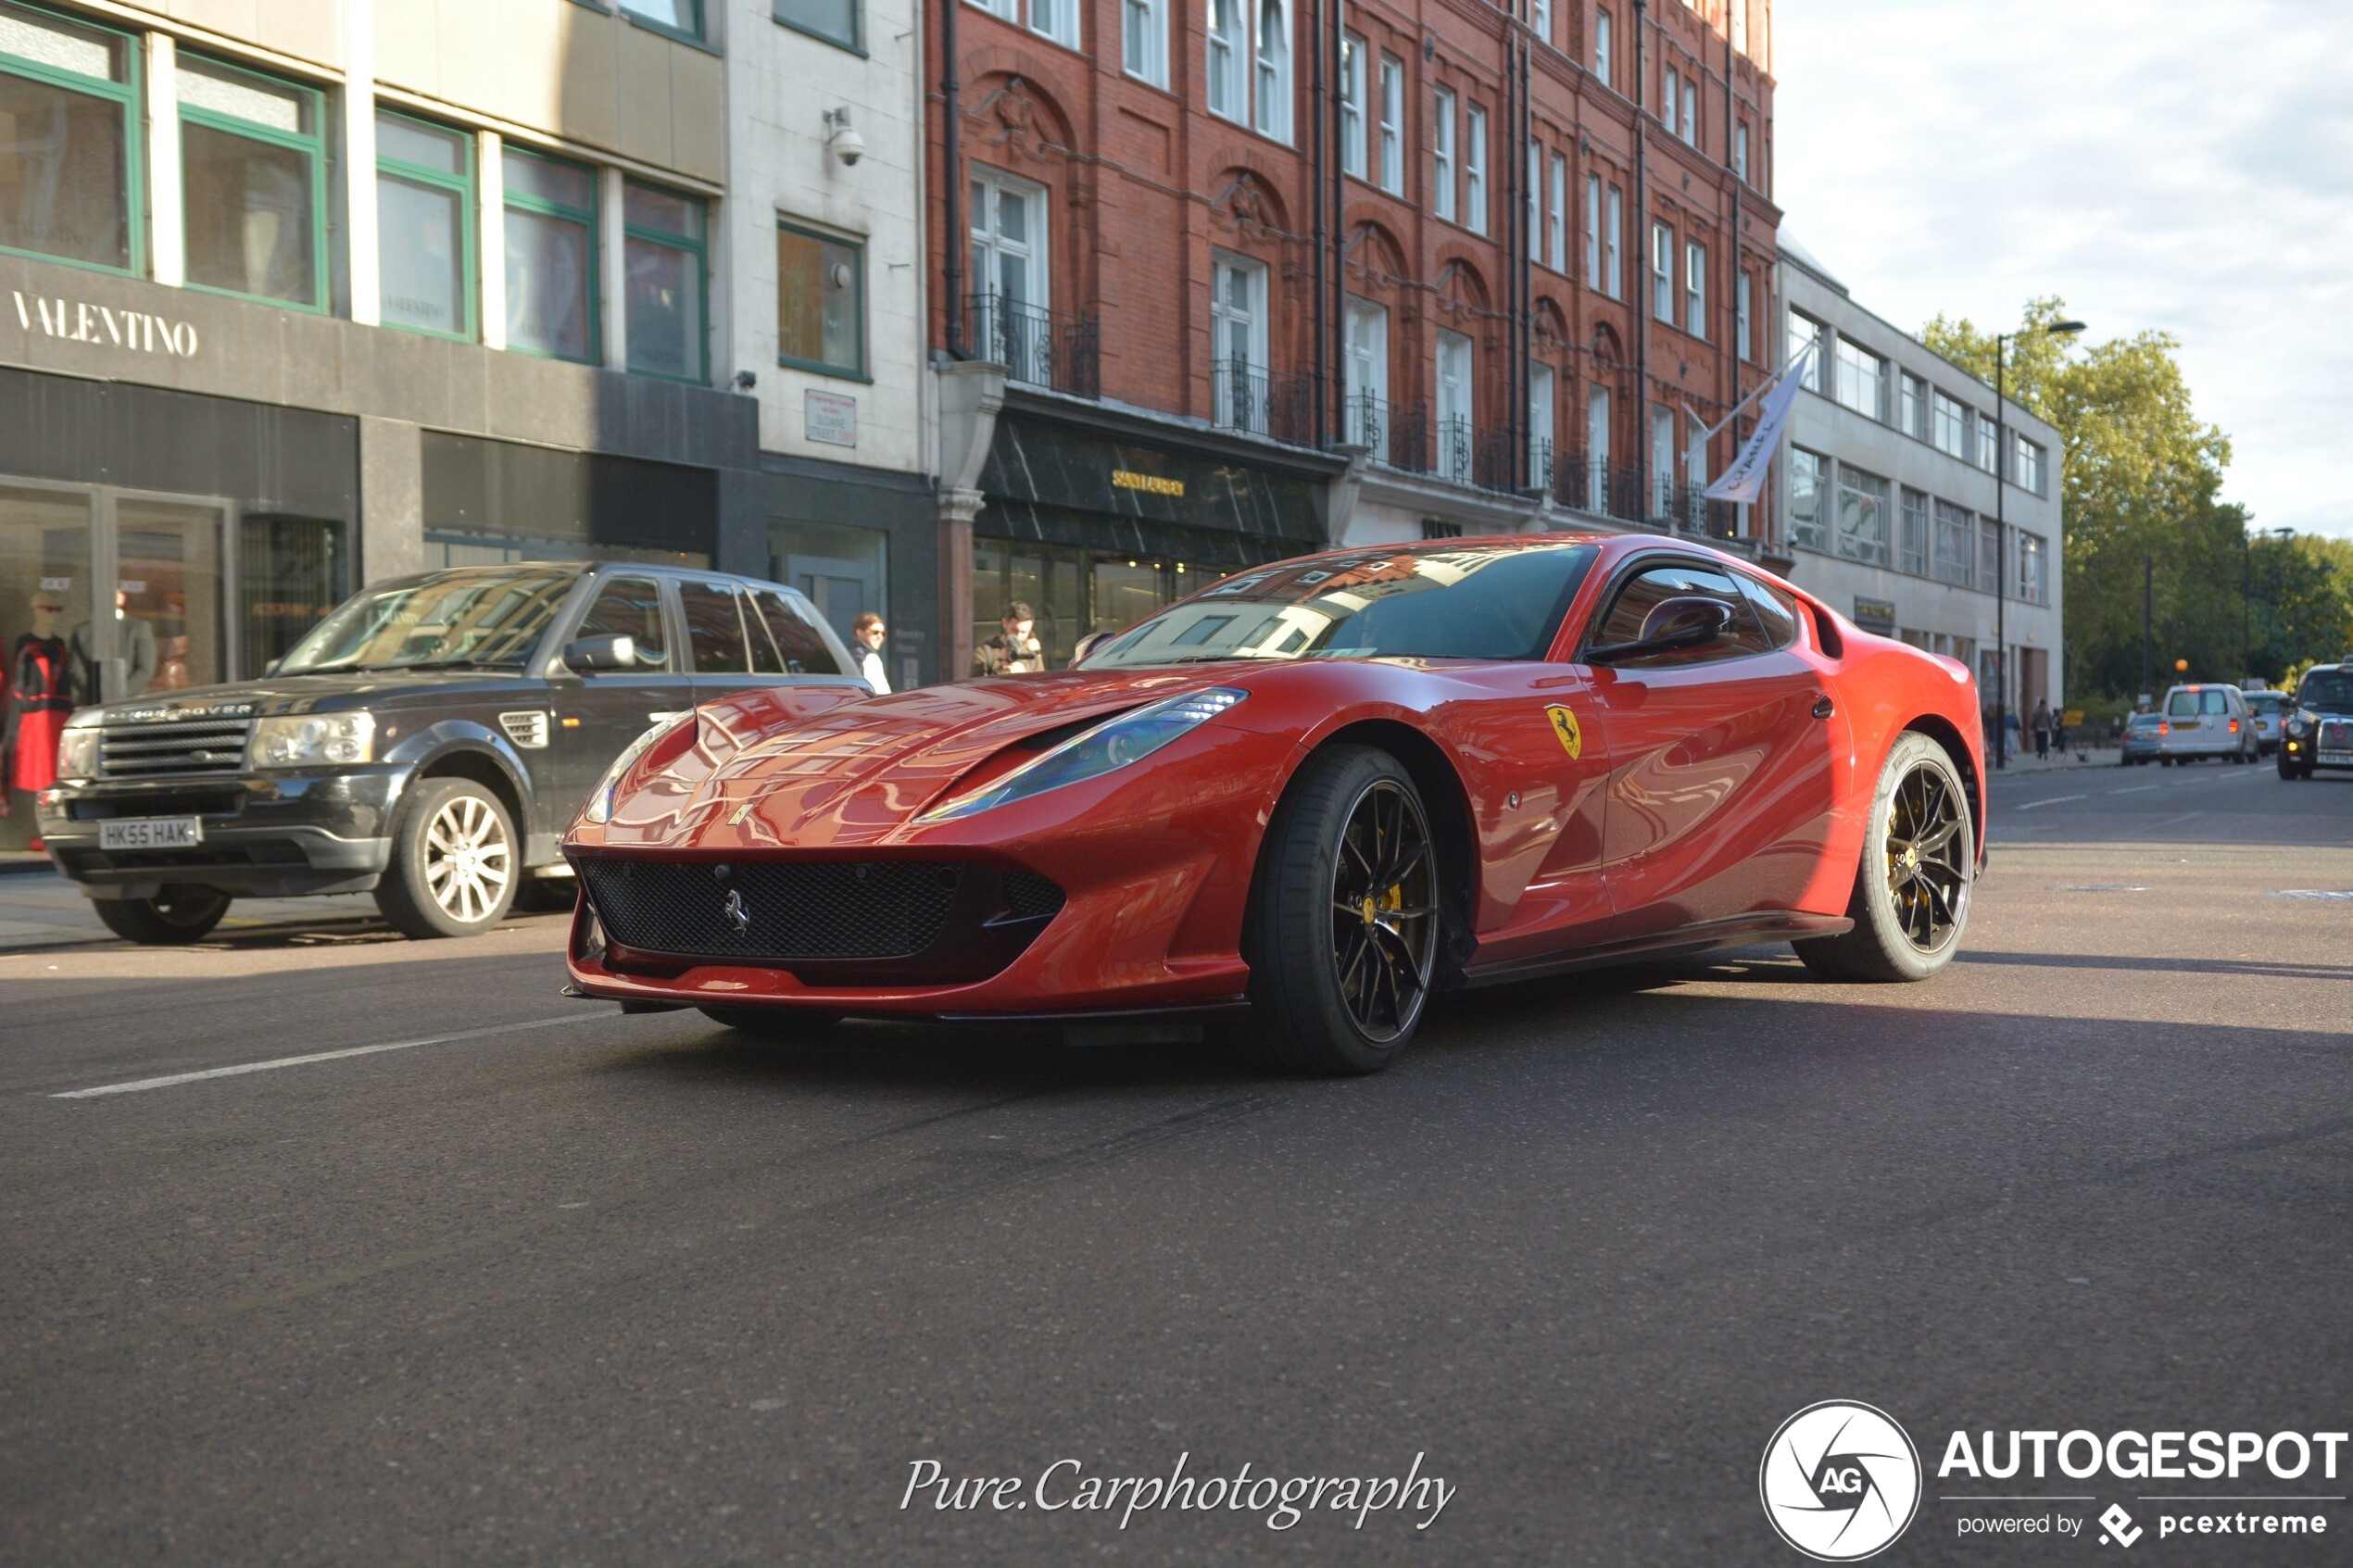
2183, 166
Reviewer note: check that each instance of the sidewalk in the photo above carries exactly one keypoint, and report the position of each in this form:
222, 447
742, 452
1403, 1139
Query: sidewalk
2026, 762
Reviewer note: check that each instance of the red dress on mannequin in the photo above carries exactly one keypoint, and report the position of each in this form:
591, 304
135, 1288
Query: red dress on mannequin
39, 703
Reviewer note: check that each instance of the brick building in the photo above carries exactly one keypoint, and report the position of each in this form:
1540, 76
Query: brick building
1215, 285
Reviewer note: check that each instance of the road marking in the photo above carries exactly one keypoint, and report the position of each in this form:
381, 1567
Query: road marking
2054, 800
142, 1085
2134, 789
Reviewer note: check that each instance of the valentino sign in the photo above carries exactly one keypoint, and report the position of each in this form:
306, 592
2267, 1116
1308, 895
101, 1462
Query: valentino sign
78, 320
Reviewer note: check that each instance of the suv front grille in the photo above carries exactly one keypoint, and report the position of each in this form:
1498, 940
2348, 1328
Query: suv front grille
784, 913
173, 749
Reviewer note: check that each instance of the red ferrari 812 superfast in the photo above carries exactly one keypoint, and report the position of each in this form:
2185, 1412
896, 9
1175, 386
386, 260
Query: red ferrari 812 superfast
1314, 794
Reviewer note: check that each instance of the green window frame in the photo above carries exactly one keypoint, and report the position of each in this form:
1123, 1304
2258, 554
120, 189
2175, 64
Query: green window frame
586, 216
692, 32
855, 369
127, 96
803, 17
312, 146
461, 186
695, 245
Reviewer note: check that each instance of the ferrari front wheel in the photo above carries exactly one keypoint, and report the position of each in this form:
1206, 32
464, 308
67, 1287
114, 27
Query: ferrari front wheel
1342, 929
1911, 896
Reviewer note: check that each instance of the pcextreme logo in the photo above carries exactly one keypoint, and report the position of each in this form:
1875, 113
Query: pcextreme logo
1840, 1481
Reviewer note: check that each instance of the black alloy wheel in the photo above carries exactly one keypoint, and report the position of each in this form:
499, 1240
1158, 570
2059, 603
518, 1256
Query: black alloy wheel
1912, 881
1384, 911
1927, 858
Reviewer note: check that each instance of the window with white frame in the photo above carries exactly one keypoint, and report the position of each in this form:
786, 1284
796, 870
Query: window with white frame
1669, 91
1912, 409
1694, 456
2029, 466
1805, 471
1690, 111
1988, 444
1271, 112
1365, 342
1535, 188
2033, 569
1353, 149
1454, 406
1739, 150
1009, 277
1393, 125
1556, 231
1740, 316
1238, 340
1805, 338
1862, 380
1539, 19
1862, 516
1228, 44
1948, 426
1475, 169
1539, 426
1144, 49
1663, 478
1661, 271
1912, 539
1601, 47
1592, 230
1442, 156
1695, 288
1057, 19
1597, 448
1610, 269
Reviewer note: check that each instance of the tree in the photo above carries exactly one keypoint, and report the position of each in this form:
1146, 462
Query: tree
2142, 483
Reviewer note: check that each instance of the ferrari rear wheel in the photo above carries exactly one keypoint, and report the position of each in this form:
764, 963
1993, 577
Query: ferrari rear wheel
1911, 895
772, 1024
1342, 933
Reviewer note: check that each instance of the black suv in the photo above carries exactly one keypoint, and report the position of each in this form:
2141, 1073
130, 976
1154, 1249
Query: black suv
430, 741
2319, 729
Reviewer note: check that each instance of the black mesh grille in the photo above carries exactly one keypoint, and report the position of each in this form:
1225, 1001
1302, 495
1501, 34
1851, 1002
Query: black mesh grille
783, 913
1031, 896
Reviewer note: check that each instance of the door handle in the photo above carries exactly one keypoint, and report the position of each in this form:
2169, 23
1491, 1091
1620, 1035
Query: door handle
1823, 708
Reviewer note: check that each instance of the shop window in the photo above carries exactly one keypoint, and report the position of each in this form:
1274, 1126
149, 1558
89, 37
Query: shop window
835, 22
668, 320
69, 95
821, 288
425, 226
253, 166
682, 18
291, 572
45, 593
551, 257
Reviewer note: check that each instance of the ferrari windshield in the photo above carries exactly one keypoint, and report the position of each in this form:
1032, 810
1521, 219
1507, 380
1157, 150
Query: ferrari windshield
1482, 601
489, 619
2326, 691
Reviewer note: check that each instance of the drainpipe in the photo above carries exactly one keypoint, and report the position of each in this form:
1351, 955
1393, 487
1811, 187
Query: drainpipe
1643, 269
955, 239
1315, 183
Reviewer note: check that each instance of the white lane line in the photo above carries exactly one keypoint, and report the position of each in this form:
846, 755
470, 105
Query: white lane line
142, 1085
2054, 800
2136, 789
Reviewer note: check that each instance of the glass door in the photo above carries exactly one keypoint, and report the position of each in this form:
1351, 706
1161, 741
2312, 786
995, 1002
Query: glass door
46, 594
168, 623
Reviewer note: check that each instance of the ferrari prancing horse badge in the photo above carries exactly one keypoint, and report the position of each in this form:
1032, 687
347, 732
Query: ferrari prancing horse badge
1565, 726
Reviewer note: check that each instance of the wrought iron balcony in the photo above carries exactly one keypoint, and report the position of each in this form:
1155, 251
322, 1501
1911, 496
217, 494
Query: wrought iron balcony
1037, 346
1590, 481
1248, 397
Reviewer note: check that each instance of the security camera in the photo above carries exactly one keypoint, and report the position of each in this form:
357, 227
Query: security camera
746, 381
843, 137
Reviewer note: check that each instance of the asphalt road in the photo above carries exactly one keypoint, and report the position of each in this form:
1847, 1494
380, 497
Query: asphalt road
573, 1287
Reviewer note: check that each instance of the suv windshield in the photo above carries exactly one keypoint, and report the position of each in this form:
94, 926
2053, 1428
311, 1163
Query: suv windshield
491, 618
1480, 602
2330, 691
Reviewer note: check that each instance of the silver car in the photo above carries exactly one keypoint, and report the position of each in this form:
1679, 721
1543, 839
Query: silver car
2270, 710
2205, 721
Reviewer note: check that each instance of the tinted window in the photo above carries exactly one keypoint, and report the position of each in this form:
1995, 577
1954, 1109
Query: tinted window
1629, 618
798, 639
1775, 611
2180, 705
715, 629
2328, 691
630, 607
765, 660
1480, 602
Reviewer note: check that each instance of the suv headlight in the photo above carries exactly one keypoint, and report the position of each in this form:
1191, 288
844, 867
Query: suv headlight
309, 739
1112, 745
600, 803
78, 752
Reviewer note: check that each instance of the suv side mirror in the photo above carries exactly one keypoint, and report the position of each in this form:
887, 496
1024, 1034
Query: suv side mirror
1673, 623
614, 650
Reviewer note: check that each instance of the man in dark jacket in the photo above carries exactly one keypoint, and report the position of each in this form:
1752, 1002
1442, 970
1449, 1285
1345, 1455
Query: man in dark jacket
1014, 650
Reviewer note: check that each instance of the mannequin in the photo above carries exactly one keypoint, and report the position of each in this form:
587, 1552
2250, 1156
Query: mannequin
39, 697
134, 641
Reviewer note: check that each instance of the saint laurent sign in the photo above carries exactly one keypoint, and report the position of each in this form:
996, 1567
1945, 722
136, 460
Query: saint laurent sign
1150, 483
78, 320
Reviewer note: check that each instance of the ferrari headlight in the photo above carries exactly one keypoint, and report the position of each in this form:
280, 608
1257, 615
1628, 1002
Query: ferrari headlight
308, 739
78, 752
1112, 745
600, 804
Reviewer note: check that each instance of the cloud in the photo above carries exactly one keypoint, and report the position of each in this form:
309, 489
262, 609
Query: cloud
2177, 165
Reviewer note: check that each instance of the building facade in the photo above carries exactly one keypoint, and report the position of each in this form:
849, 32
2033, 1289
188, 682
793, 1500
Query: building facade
1890, 508
299, 295
1213, 285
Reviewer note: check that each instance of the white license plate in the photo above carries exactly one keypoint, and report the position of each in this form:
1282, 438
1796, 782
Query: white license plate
2334, 756
151, 832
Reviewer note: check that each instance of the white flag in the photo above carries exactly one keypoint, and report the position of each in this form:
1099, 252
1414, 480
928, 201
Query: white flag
1744, 479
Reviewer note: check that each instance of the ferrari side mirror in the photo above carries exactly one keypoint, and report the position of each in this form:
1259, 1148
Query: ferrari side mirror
1673, 625
615, 650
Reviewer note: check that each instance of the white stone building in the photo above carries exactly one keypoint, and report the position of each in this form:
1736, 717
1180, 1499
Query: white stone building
1886, 496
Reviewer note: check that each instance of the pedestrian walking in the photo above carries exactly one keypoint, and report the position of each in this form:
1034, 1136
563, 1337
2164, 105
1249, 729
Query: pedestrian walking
868, 631
1016, 650
2042, 731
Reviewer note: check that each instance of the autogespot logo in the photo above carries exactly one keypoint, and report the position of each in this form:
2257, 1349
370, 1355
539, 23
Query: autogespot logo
1840, 1481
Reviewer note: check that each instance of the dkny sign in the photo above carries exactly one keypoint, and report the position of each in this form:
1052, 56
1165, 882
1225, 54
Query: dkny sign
78, 320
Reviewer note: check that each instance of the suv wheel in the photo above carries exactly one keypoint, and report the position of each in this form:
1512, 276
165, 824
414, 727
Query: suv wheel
454, 861
178, 915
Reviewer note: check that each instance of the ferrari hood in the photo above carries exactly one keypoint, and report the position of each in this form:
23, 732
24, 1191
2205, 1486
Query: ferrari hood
756, 778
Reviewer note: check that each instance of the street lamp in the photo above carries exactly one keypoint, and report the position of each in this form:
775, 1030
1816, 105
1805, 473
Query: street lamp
2001, 530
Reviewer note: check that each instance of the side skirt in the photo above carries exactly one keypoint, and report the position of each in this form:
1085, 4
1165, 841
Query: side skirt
1736, 931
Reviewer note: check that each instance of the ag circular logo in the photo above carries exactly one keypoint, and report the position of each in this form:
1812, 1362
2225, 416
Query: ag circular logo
1840, 1481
